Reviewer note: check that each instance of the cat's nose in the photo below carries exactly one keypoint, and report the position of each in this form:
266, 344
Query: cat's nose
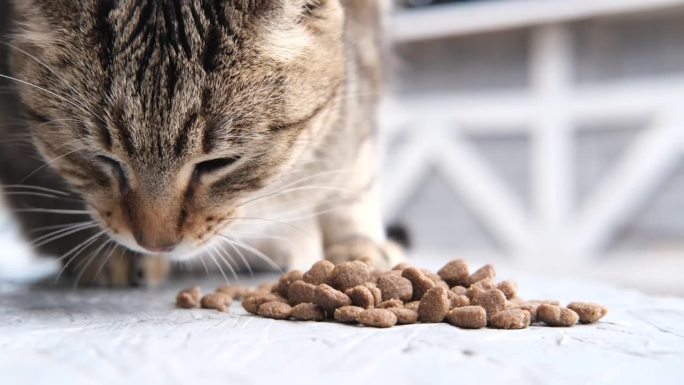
155, 244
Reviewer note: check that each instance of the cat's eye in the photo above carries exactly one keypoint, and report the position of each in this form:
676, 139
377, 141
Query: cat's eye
214, 165
118, 171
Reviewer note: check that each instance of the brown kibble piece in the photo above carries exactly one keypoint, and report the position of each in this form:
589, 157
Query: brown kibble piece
189, 298
434, 305
588, 312
395, 287
218, 301
468, 317
419, 281
308, 312
275, 310
348, 314
301, 292
361, 296
486, 271
509, 288
484, 284
553, 315
459, 290
377, 294
251, 304
349, 274
454, 272
510, 319
456, 300
413, 305
390, 304
330, 299
286, 280
493, 301
377, 318
404, 316
319, 273
236, 292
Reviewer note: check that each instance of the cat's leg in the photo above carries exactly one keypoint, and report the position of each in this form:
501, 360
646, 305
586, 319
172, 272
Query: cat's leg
357, 231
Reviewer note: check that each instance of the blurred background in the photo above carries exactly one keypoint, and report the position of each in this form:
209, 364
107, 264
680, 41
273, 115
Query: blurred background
544, 135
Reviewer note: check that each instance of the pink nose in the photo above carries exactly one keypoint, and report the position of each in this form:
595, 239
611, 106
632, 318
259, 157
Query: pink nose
155, 245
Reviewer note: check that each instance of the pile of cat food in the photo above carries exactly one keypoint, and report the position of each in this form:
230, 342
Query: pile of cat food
353, 293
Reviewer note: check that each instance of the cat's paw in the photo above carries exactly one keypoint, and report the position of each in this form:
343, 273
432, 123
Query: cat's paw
125, 269
383, 256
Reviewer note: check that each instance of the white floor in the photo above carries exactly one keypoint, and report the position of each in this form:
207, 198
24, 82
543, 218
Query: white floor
60, 336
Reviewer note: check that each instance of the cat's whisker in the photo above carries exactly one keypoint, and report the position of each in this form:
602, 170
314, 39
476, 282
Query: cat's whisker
290, 225
206, 268
242, 257
39, 188
213, 258
75, 252
48, 238
46, 164
53, 211
291, 190
256, 252
106, 259
82, 268
61, 226
219, 248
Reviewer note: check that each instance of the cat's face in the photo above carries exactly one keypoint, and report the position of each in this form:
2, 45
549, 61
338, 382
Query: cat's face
165, 115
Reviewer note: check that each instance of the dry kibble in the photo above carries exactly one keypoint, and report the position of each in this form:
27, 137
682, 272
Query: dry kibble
395, 287
390, 304
434, 277
434, 305
419, 281
256, 293
401, 266
275, 310
319, 273
236, 292
493, 301
509, 288
484, 284
468, 317
459, 290
404, 316
486, 271
361, 296
301, 292
510, 319
377, 294
553, 315
286, 280
365, 259
189, 298
348, 314
413, 305
456, 300
251, 304
218, 301
308, 312
377, 318
588, 312
455, 272
349, 274
330, 299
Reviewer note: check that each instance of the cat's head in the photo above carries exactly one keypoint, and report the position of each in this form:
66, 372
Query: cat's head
166, 114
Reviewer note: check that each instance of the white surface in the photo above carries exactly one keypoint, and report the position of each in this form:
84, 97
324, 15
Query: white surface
119, 337
462, 19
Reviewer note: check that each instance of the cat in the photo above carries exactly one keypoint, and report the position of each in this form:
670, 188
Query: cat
240, 133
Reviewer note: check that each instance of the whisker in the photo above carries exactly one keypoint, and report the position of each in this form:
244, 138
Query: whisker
39, 188
60, 234
76, 252
219, 266
106, 259
90, 260
226, 254
258, 253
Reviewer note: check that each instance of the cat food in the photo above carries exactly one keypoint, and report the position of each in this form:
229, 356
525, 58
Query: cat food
588, 312
468, 317
301, 292
275, 310
454, 272
352, 293
553, 315
377, 318
218, 301
308, 312
348, 314
404, 316
319, 273
189, 298
349, 274
419, 282
510, 319
434, 305
330, 299
361, 296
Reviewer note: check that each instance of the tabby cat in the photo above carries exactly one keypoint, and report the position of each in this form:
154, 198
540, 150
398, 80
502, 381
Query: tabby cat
233, 132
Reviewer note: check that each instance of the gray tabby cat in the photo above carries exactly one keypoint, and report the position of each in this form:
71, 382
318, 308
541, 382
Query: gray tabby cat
229, 130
